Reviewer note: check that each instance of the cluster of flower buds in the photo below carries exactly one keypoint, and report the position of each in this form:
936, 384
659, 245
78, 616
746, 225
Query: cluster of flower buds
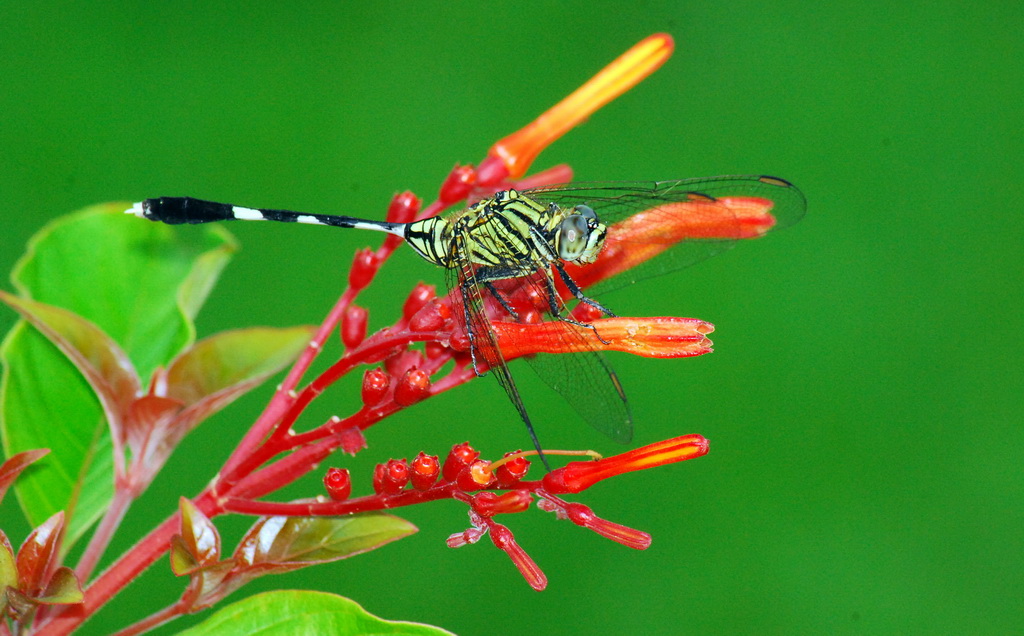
490, 489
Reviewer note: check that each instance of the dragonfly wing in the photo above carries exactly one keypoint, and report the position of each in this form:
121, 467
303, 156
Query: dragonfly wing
615, 201
469, 304
585, 380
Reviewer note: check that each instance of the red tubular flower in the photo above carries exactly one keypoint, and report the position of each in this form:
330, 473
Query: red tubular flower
646, 234
663, 337
583, 516
503, 539
518, 150
488, 504
578, 476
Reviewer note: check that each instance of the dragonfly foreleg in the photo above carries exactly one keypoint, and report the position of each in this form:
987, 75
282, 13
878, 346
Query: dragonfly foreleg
501, 299
575, 290
556, 311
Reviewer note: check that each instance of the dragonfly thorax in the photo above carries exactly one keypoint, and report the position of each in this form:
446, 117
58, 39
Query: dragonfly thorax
509, 233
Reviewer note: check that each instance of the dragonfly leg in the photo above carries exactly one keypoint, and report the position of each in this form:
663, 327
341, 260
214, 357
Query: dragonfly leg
556, 311
575, 290
501, 299
464, 292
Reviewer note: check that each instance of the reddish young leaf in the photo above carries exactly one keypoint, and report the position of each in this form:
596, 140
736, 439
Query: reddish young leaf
62, 589
39, 554
212, 373
8, 568
287, 543
105, 366
11, 468
199, 534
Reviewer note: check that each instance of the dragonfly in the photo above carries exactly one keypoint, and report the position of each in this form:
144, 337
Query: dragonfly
519, 241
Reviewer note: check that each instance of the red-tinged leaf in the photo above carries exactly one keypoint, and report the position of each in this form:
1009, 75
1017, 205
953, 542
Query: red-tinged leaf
302, 612
199, 534
146, 431
63, 589
209, 584
8, 567
39, 555
218, 369
11, 468
183, 562
286, 543
105, 366
662, 337
143, 294
19, 605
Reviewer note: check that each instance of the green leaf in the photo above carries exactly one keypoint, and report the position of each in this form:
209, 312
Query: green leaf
218, 369
98, 358
287, 543
302, 612
138, 282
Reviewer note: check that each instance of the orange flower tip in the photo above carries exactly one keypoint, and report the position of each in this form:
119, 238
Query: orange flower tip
578, 476
518, 150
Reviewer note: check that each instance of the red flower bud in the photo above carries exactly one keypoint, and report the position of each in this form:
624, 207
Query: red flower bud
353, 326
403, 208
471, 535
427, 319
457, 185
413, 387
491, 172
423, 471
375, 386
352, 440
461, 456
395, 477
364, 268
512, 471
420, 295
476, 476
338, 483
378, 478
433, 349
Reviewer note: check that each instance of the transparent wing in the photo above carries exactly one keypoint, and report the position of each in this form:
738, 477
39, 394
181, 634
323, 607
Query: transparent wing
615, 201
468, 302
585, 380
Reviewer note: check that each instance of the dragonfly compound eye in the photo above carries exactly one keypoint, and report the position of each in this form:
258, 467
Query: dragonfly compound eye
586, 211
573, 235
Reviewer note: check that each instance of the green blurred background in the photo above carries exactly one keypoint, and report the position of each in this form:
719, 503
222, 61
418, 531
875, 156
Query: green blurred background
864, 399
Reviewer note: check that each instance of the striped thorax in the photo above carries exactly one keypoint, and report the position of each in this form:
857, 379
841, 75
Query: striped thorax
511, 232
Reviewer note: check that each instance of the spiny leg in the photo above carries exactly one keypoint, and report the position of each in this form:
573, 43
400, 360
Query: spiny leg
556, 311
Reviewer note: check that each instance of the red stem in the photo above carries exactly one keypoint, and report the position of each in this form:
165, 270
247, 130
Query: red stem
100, 539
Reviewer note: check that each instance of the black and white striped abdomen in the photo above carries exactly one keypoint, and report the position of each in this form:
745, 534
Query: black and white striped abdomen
178, 210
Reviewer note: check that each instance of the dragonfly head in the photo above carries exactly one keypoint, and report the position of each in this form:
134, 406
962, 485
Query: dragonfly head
580, 236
